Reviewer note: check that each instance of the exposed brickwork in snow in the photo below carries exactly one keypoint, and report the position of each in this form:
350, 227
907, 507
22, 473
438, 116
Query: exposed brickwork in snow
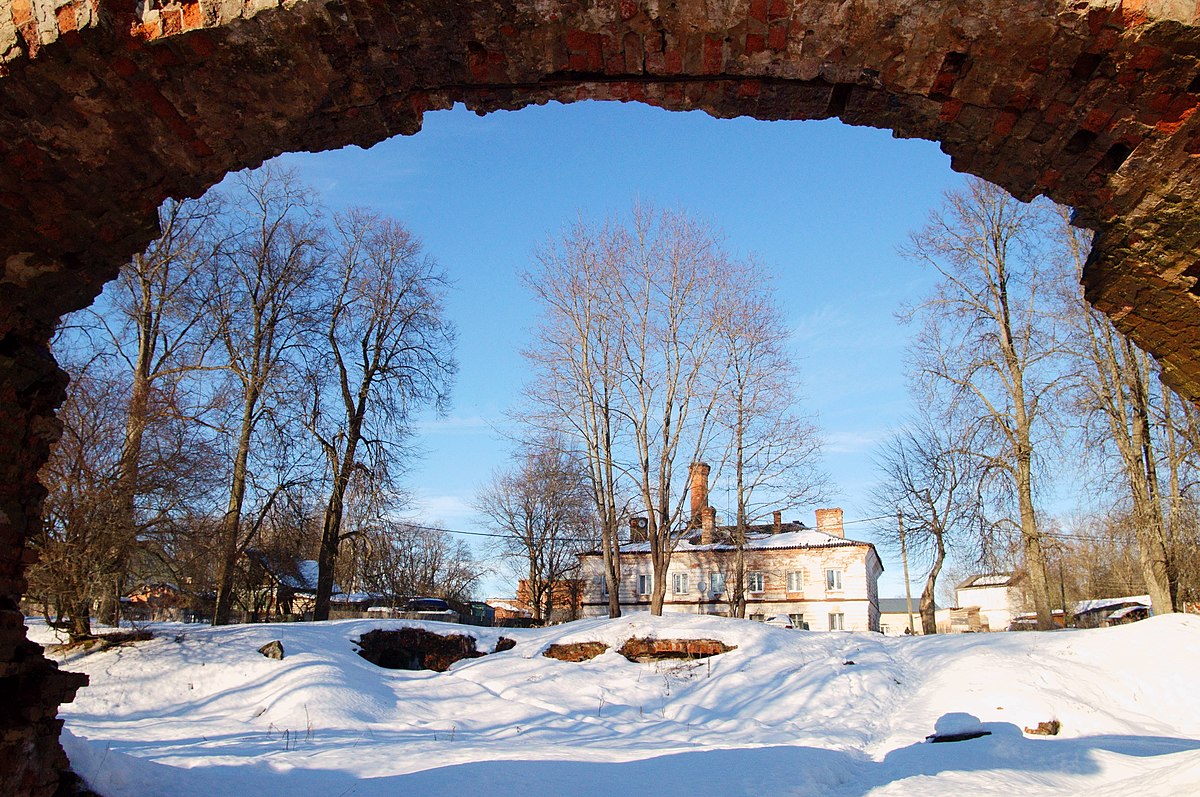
651, 649
574, 651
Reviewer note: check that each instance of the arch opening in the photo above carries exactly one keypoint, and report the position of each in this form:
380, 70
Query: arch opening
108, 108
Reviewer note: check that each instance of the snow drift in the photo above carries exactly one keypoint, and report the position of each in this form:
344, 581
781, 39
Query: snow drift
199, 711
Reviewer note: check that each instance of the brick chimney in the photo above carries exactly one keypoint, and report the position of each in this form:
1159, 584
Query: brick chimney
708, 524
639, 529
830, 521
698, 486
777, 522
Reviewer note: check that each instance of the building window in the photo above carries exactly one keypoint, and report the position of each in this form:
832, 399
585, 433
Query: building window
798, 621
837, 620
754, 581
716, 583
643, 584
795, 581
679, 583
833, 580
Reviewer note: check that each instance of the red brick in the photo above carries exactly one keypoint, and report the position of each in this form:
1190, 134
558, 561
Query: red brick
193, 16
1146, 58
950, 110
1004, 123
65, 17
714, 56
777, 37
1097, 120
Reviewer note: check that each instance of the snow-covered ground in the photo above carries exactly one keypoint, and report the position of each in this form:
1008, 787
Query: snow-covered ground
198, 711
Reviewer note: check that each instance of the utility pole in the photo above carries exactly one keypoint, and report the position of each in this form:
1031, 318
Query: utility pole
904, 559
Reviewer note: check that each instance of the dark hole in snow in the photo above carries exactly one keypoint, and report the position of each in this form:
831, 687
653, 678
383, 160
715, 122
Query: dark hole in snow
956, 737
416, 649
957, 726
848, 663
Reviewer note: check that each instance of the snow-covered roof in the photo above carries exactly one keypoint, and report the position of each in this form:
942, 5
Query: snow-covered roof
304, 580
755, 541
508, 605
1096, 604
305, 577
988, 580
1126, 610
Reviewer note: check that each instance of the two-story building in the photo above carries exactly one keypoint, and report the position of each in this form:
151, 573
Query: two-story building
816, 576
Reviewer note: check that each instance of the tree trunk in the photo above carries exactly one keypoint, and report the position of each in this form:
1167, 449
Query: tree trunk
1035, 560
611, 550
80, 626
928, 613
231, 524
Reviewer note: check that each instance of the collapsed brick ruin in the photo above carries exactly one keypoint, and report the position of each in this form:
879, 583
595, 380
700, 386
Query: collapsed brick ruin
416, 649
640, 649
108, 107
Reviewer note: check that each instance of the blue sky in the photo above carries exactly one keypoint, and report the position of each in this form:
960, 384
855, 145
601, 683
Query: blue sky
826, 205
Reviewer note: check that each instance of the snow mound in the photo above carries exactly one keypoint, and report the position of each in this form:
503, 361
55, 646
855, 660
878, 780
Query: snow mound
198, 711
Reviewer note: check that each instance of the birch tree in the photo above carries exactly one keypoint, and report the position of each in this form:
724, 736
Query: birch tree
628, 360
575, 362
989, 342
773, 451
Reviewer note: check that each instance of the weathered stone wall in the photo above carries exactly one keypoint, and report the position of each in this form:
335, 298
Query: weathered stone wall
109, 106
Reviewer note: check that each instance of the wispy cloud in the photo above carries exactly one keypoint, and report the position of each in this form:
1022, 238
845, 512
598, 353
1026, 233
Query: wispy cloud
452, 511
456, 424
818, 323
853, 442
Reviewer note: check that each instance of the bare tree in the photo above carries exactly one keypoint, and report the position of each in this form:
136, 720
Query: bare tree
773, 450
388, 351
1113, 386
673, 276
542, 508
406, 559
1179, 424
151, 317
630, 362
989, 341
83, 536
262, 296
931, 481
575, 360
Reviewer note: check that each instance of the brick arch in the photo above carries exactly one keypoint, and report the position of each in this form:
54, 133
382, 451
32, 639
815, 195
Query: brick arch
109, 106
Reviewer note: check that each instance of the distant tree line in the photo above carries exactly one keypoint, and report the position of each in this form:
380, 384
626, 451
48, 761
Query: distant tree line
250, 381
